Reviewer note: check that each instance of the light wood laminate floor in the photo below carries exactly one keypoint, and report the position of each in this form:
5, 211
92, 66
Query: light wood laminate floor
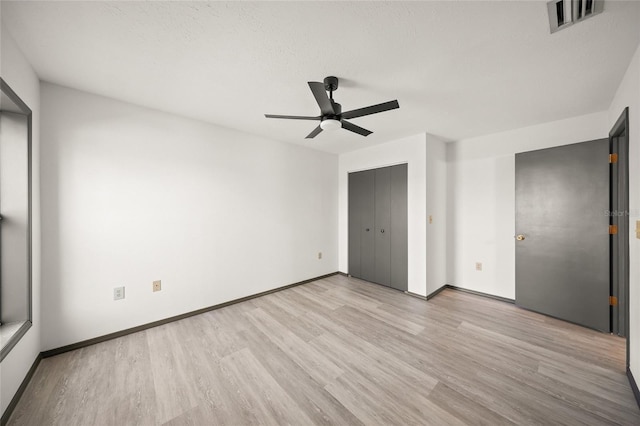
346, 352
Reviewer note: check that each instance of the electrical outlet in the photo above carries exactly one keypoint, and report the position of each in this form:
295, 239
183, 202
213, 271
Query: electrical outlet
157, 285
430, 219
319, 255
478, 266
118, 293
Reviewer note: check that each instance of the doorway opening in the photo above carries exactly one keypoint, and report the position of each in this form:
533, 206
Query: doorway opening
619, 224
573, 226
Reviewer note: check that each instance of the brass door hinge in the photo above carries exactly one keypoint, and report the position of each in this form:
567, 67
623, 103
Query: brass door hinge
613, 158
613, 301
613, 229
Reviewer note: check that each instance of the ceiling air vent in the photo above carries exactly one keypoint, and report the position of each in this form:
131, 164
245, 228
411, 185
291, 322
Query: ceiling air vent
563, 13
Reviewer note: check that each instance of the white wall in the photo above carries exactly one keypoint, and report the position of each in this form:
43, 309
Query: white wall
436, 189
410, 150
133, 195
19, 75
628, 95
481, 202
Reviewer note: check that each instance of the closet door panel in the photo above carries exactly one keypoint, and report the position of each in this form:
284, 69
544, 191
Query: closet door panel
382, 226
398, 227
355, 220
367, 226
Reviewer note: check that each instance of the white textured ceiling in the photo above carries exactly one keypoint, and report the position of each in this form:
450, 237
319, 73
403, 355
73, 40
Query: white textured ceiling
458, 69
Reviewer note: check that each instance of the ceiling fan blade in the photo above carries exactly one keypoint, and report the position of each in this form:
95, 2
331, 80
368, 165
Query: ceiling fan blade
373, 109
293, 117
323, 100
315, 132
355, 129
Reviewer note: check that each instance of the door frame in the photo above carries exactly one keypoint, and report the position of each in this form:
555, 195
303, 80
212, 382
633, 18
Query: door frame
620, 258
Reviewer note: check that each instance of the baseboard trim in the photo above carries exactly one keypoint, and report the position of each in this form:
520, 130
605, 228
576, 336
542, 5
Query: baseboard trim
344, 274
416, 295
435, 293
634, 386
115, 335
25, 382
477, 293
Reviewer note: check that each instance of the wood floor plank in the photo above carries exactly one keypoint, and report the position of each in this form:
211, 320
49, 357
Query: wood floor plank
319, 404
205, 349
320, 368
592, 393
326, 300
356, 298
369, 373
299, 325
536, 404
303, 303
466, 409
45, 387
196, 416
267, 399
372, 404
367, 407
170, 364
443, 321
286, 304
356, 354
341, 351
133, 390
212, 337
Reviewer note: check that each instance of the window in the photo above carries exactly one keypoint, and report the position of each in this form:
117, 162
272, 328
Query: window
15, 219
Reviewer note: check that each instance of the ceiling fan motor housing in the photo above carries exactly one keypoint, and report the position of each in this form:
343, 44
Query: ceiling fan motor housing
330, 83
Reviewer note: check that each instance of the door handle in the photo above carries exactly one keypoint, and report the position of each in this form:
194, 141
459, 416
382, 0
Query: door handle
367, 229
520, 237
382, 231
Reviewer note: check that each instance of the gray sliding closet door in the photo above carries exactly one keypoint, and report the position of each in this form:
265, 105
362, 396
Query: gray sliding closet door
378, 226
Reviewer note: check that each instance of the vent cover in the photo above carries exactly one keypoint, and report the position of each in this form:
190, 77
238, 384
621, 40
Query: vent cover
563, 13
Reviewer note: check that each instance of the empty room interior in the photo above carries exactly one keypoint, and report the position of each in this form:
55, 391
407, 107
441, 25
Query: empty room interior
349, 213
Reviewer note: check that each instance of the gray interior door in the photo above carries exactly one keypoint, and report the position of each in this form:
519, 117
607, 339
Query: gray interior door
562, 249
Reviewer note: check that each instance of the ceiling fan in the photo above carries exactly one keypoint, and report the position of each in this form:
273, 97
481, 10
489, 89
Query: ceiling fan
332, 116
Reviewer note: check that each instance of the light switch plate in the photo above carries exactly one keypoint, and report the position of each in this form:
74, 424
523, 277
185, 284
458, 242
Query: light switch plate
157, 285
